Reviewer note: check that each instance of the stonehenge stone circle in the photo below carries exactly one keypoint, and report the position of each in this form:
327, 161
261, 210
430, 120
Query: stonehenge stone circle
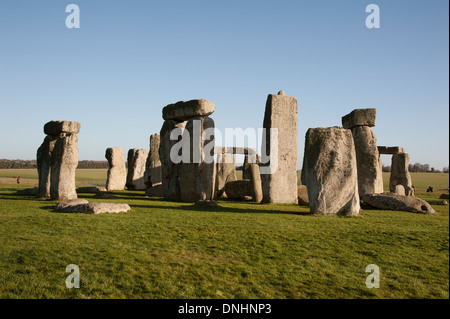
186, 110
136, 169
330, 172
369, 165
280, 186
400, 174
117, 172
360, 117
169, 169
398, 203
197, 176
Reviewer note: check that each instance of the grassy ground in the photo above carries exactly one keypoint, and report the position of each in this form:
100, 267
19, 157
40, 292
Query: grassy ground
237, 250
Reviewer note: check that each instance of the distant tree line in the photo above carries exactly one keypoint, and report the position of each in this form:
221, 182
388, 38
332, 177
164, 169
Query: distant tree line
5, 163
419, 168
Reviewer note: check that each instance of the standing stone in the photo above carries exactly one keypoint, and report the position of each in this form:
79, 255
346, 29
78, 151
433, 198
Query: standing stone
153, 172
280, 186
249, 159
169, 169
257, 193
197, 176
400, 174
136, 168
330, 172
370, 173
117, 172
64, 161
43, 161
225, 171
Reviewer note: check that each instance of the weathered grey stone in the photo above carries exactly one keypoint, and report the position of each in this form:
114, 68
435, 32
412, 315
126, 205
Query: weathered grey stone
170, 170
360, 117
390, 149
302, 194
58, 127
369, 165
95, 208
117, 172
153, 170
90, 189
64, 161
398, 203
136, 169
186, 110
234, 150
399, 190
197, 176
279, 183
400, 174
28, 191
155, 191
437, 202
43, 161
239, 189
225, 171
329, 172
249, 159
70, 203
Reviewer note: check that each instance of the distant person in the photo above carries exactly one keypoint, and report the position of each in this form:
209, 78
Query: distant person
18, 180
429, 189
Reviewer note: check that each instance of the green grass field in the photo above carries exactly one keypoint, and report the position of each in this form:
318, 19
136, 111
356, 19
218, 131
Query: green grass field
236, 250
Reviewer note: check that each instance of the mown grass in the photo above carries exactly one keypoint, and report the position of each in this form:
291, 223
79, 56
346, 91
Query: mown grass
236, 250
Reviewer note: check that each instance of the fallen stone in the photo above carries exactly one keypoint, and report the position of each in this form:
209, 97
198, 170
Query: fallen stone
444, 196
329, 172
155, 191
239, 189
437, 202
398, 203
69, 203
185, 110
28, 191
390, 149
58, 127
360, 117
302, 194
90, 189
94, 208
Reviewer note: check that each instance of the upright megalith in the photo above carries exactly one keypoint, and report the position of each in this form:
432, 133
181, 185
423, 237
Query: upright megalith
279, 150
255, 179
152, 175
136, 169
170, 176
370, 175
400, 174
117, 172
197, 174
225, 171
330, 172
57, 160
43, 161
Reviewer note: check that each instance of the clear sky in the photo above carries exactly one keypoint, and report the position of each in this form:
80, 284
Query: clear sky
129, 59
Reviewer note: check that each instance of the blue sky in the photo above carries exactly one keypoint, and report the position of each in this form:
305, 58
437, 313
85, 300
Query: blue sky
131, 58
